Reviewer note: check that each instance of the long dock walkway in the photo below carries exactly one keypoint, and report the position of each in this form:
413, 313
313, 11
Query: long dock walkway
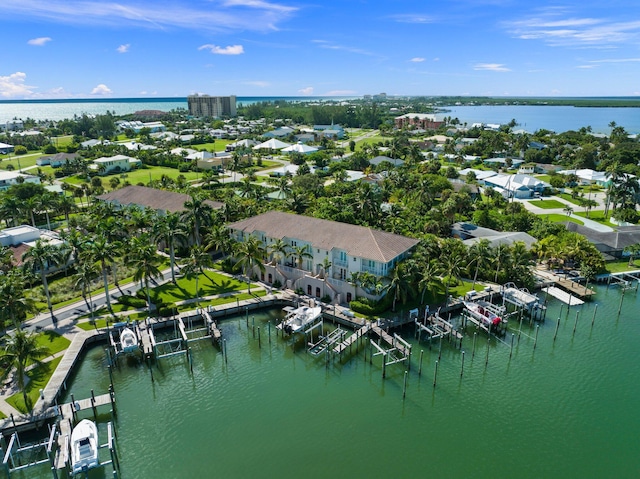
566, 284
359, 333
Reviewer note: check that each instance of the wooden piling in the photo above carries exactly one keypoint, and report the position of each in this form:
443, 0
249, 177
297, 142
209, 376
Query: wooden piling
621, 300
473, 351
435, 375
93, 406
486, 360
535, 341
269, 331
555, 334
595, 310
259, 343
420, 366
384, 365
462, 365
404, 387
513, 336
575, 324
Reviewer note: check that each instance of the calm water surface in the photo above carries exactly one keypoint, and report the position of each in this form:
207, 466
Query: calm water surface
568, 409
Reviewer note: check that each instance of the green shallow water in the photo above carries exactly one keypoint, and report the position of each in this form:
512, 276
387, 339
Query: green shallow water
569, 409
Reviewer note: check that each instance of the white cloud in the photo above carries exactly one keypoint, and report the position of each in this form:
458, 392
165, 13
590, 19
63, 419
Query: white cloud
13, 86
586, 67
226, 15
101, 89
124, 48
436, 59
553, 27
39, 42
413, 18
417, 59
228, 50
306, 91
493, 67
617, 60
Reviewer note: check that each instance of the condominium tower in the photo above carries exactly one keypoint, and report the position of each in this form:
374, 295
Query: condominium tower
211, 106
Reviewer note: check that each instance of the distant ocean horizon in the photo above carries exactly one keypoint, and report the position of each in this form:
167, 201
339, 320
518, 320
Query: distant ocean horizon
529, 117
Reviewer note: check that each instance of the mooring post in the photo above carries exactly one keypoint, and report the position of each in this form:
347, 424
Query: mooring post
473, 350
73, 408
246, 309
621, 300
575, 324
435, 375
224, 346
384, 365
556, 331
404, 387
462, 364
190, 359
595, 310
535, 341
151, 370
269, 331
513, 336
93, 406
520, 330
486, 360
259, 343
420, 366
440, 349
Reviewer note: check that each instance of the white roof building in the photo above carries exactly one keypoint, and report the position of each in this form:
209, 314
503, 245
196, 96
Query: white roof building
272, 144
9, 178
300, 148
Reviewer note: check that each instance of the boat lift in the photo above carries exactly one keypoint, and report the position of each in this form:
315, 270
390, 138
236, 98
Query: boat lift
18, 457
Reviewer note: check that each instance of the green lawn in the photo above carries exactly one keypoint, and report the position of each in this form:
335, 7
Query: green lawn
2, 416
596, 216
39, 377
21, 161
548, 204
53, 341
371, 140
555, 218
211, 284
567, 196
620, 265
142, 175
218, 145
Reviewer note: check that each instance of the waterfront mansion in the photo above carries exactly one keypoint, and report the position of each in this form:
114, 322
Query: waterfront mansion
335, 251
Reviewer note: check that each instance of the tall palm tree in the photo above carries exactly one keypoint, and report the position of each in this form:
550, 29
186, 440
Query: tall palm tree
104, 252
278, 250
197, 215
399, 285
86, 273
22, 348
300, 253
196, 264
249, 254
14, 305
428, 277
480, 254
39, 259
144, 258
171, 230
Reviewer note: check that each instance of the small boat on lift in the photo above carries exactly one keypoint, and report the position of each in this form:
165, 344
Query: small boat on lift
128, 340
84, 447
299, 318
483, 312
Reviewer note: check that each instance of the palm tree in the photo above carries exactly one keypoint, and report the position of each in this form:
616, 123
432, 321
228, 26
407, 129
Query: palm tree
144, 258
39, 259
278, 250
249, 254
428, 277
13, 303
170, 229
300, 253
197, 215
480, 254
400, 284
22, 348
196, 264
500, 259
86, 273
104, 252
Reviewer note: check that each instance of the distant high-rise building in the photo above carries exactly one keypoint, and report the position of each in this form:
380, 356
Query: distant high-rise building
211, 106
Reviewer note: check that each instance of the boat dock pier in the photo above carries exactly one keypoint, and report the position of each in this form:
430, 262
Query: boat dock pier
568, 285
436, 327
348, 343
522, 299
393, 349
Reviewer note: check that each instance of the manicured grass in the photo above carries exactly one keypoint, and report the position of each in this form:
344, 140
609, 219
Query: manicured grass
211, 284
2, 416
566, 196
555, 218
21, 161
53, 341
141, 175
371, 140
596, 216
618, 266
39, 377
218, 145
548, 204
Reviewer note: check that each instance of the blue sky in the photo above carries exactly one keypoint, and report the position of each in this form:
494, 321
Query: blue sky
135, 48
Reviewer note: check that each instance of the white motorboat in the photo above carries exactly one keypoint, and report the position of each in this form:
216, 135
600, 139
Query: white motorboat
297, 319
128, 340
482, 311
84, 446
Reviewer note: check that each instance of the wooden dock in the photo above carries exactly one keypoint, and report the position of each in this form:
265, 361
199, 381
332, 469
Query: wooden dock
566, 284
436, 327
359, 333
391, 340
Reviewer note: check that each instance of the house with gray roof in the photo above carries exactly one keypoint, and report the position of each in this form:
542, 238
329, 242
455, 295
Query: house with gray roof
348, 248
161, 201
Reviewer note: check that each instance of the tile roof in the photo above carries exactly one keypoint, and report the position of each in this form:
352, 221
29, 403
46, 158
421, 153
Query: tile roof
144, 196
357, 241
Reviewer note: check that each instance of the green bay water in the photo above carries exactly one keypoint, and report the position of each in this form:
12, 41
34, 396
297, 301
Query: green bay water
568, 409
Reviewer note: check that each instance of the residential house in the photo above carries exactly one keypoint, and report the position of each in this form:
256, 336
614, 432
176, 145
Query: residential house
425, 121
114, 164
9, 178
516, 186
161, 201
57, 160
471, 234
348, 248
5, 148
19, 239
